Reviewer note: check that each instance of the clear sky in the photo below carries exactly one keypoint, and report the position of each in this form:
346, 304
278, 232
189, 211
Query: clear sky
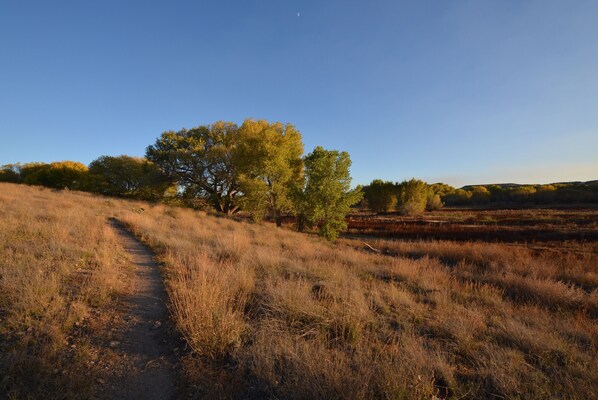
463, 92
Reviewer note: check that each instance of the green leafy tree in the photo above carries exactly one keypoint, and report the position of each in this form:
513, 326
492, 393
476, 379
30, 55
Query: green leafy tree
201, 161
545, 194
457, 197
126, 176
435, 193
440, 188
434, 202
522, 194
381, 196
480, 195
413, 196
58, 175
270, 167
327, 196
10, 173
497, 193
31, 172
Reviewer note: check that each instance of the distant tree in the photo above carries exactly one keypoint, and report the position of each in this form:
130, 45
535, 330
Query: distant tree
270, 167
440, 188
413, 196
58, 175
576, 193
381, 196
126, 176
201, 161
10, 173
522, 194
30, 172
327, 196
434, 202
457, 197
480, 195
497, 193
545, 194
435, 193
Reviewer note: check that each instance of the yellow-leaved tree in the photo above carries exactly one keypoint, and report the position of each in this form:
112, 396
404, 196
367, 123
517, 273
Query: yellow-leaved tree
270, 166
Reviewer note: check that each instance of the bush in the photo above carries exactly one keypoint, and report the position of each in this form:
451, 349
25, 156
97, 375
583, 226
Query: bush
58, 175
414, 197
434, 203
10, 173
126, 176
381, 196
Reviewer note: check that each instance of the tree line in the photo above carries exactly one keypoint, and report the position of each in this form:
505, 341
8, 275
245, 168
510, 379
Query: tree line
258, 167
416, 196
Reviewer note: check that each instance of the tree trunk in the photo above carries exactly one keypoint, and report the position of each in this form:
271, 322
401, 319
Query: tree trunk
300, 222
278, 218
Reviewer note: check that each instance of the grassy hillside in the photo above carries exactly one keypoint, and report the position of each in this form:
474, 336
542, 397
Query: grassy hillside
271, 313
58, 261
281, 314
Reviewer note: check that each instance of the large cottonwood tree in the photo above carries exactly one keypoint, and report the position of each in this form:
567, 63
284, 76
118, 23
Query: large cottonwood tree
327, 196
201, 162
381, 196
270, 166
126, 176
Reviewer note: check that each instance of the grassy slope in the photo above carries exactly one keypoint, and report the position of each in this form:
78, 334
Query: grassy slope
276, 313
279, 313
58, 261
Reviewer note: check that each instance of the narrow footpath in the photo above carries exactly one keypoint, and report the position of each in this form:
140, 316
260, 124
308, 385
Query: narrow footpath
143, 349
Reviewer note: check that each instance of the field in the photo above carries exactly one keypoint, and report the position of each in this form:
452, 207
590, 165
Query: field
524, 225
271, 313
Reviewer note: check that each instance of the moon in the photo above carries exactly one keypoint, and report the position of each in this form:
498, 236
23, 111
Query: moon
298, 14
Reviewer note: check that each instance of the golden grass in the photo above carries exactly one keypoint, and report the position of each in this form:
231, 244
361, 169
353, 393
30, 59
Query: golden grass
58, 258
279, 314
276, 314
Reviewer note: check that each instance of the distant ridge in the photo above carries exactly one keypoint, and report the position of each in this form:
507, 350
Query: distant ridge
515, 185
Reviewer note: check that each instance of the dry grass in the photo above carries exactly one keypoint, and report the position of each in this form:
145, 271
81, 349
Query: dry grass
58, 259
271, 313
278, 314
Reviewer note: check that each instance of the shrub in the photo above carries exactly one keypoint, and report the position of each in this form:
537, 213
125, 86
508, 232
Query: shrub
381, 196
434, 203
414, 196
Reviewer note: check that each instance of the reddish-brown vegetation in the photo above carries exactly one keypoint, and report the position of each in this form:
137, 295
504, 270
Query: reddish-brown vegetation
486, 225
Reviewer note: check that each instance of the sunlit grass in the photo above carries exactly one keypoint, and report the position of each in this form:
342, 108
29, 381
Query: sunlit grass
276, 314
296, 317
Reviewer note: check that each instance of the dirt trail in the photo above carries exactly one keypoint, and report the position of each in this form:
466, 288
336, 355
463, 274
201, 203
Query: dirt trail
142, 349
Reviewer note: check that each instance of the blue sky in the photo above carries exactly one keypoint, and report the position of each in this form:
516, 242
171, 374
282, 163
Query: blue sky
463, 92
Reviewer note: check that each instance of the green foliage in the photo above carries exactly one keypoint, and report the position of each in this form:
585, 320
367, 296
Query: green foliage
10, 173
270, 166
201, 161
434, 202
435, 193
327, 196
480, 195
126, 176
545, 194
413, 196
512, 194
523, 194
440, 189
381, 196
58, 175
457, 197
